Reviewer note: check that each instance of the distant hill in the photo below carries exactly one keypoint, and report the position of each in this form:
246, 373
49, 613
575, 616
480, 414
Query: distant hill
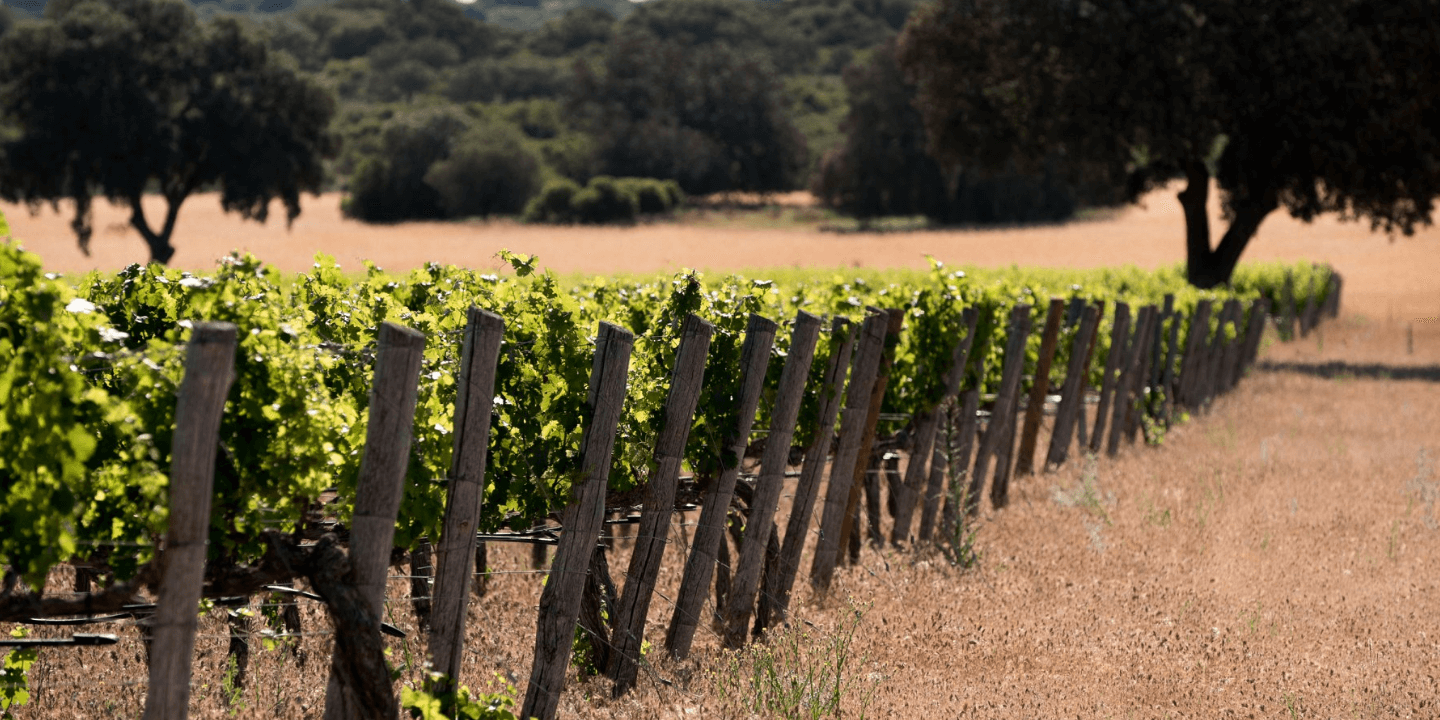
515, 14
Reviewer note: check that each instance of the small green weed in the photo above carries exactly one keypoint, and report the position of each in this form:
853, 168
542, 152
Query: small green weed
1086, 494
15, 674
798, 673
432, 701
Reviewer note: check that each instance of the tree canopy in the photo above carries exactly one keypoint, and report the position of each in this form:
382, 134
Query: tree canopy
117, 97
1316, 107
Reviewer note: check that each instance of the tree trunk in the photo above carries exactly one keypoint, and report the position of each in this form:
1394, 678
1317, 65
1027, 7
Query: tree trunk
1206, 268
159, 243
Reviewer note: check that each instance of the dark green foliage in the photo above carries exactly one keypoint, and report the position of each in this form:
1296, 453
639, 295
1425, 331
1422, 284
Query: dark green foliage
513, 78
390, 186
705, 117
884, 166
489, 172
114, 96
749, 29
552, 205
6, 20
604, 201
1315, 107
575, 31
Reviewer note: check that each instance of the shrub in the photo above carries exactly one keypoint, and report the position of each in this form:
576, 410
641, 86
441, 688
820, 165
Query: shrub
605, 201
552, 205
391, 185
653, 196
490, 172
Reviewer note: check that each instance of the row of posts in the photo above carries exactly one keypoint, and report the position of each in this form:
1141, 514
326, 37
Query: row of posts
1139, 380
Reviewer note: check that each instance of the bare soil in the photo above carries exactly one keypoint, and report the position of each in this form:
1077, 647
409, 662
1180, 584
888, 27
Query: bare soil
1274, 557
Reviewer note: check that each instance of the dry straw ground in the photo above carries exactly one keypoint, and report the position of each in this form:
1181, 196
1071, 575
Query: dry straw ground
1274, 558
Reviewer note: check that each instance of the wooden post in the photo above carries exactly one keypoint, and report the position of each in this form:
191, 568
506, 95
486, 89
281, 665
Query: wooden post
581, 520
869, 349
1118, 334
1125, 383
1000, 431
710, 531
1138, 406
377, 496
1287, 309
1072, 392
1157, 352
1231, 349
935, 492
1035, 408
926, 429
1311, 315
772, 477
1215, 355
658, 502
1255, 329
456, 551
808, 486
959, 462
209, 370
894, 320
1167, 376
1190, 363
1332, 301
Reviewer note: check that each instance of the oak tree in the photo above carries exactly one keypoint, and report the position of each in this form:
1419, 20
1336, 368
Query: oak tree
1315, 107
117, 98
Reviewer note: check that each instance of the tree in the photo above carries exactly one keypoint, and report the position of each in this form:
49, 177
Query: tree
703, 116
1316, 107
114, 97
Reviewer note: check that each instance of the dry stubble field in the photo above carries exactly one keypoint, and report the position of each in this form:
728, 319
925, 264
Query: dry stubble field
1275, 557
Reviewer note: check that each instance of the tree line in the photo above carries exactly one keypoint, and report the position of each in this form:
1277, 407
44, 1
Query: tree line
980, 112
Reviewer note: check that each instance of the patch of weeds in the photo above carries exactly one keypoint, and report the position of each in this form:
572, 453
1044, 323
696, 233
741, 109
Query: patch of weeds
1222, 436
1265, 542
1292, 704
1424, 488
1085, 493
959, 547
232, 693
1251, 618
1212, 496
15, 676
1156, 515
801, 673
433, 700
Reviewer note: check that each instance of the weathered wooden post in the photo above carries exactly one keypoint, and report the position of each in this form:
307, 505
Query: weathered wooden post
710, 531
1072, 392
1287, 308
1118, 334
869, 348
1190, 362
895, 319
658, 502
1125, 383
1259, 311
934, 492
772, 477
959, 461
808, 486
1167, 376
1035, 408
378, 490
1000, 433
1135, 388
474, 404
926, 426
1157, 354
581, 520
209, 370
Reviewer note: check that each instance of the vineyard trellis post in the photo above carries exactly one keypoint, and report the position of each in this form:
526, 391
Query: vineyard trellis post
1072, 391
1139, 370
802, 507
581, 522
1167, 375
474, 404
209, 371
1185, 393
771, 481
715, 505
1259, 311
999, 433
1118, 335
1157, 355
658, 502
869, 348
351, 692
1034, 409
935, 490
894, 322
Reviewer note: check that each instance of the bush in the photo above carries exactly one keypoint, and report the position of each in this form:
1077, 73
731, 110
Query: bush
552, 205
490, 172
653, 196
605, 201
391, 185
